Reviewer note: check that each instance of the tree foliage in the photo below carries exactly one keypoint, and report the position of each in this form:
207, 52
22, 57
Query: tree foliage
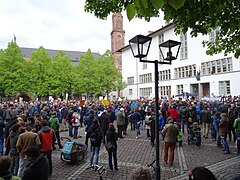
43, 75
198, 16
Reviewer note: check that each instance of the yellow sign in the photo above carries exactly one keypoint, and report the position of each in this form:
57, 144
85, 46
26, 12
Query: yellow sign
105, 102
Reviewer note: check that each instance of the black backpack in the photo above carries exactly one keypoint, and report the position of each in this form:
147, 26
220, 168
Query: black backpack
95, 136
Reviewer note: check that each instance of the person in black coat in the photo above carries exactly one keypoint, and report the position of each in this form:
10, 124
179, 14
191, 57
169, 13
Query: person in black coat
104, 122
95, 135
38, 166
112, 137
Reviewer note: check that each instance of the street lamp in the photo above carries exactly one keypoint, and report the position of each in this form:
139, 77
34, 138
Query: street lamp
140, 47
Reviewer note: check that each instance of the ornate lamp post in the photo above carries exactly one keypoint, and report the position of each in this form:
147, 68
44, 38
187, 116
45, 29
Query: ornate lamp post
140, 47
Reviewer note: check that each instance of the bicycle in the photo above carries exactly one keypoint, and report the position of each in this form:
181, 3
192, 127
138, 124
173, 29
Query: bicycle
100, 169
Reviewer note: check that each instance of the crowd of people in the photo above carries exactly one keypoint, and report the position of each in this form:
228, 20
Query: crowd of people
29, 130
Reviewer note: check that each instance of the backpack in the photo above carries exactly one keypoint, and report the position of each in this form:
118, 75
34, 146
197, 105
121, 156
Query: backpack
73, 119
94, 136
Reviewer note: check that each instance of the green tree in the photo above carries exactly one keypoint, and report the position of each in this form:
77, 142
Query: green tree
41, 70
62, 75
198, 16
13, 71
108, 77
86, 74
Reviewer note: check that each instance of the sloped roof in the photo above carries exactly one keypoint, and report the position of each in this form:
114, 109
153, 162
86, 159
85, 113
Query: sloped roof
74, 55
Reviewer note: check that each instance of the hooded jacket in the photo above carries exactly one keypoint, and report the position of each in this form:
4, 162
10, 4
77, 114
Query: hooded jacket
47, 138
112, 136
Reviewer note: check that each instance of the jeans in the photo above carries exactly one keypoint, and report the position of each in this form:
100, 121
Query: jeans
1, 144
218, 138
22, 164
137, 127
183, 120
75, 131
70, 130
94, 150
112, 154
225, 144
14, 164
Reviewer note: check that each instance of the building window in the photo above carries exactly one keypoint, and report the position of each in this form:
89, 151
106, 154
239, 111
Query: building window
144, 65
130, 80
160, 40
164, 75
184, 72
212, 35
145, 92
217, 66
118, 23
183, 50
164, 90
224, 88
145, 78
130, 92
180, 88
119, 45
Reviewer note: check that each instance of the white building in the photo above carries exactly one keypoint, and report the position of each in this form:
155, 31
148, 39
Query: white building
220, 75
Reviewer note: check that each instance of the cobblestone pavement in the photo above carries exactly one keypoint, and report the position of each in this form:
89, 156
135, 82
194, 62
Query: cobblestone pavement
133, 153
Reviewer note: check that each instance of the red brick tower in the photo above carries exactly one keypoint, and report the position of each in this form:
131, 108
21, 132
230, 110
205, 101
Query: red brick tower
117, 39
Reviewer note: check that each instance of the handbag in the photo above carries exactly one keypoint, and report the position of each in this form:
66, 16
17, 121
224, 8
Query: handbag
109, 145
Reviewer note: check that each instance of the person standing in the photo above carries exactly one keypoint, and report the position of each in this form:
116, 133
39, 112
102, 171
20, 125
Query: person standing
169, 133
95, 135
54, 124
38, 166
223, 132
120, 122
205, 118
236, 126
75, 122
2, 135
104, 122
13, 137
88, 123
26, 140
137, 122
47, 138
112, 137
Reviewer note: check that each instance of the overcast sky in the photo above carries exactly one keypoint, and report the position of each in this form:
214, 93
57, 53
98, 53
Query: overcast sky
62, 25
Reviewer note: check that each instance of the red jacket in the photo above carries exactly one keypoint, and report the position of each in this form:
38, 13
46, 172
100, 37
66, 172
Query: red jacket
173, 113
47, 138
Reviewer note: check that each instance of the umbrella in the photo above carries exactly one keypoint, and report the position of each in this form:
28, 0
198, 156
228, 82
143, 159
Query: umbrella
186, 94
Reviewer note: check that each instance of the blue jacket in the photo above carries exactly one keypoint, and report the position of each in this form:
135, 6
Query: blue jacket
161, 122
216, 122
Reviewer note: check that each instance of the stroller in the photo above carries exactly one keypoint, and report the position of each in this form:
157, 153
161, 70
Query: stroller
73, 152
194, 134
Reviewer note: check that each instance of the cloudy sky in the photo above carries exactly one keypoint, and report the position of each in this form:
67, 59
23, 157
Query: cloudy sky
62, 25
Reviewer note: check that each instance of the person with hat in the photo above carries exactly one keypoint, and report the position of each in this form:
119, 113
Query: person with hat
38, 166
169, 133
112, 137
120, 122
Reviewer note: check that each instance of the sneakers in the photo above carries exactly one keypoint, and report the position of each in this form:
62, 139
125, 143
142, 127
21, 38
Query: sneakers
136, 137
226, 152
